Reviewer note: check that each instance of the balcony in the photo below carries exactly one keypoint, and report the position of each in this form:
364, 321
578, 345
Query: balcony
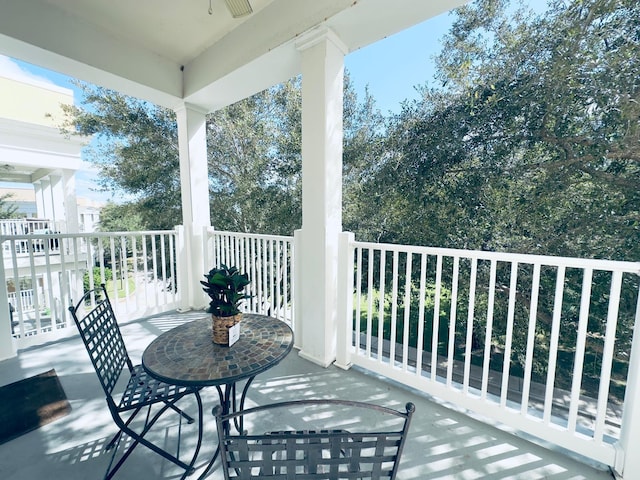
478, 331
444, 442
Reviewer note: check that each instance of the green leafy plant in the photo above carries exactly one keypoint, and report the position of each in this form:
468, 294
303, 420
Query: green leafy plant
225, 286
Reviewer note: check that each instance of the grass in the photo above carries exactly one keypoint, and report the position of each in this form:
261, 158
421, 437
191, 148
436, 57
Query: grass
120, 287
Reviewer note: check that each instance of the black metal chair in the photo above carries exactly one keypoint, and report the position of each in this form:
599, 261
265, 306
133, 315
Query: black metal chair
301, 446
101, 335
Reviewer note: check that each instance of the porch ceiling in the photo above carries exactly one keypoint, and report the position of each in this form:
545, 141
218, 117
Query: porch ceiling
170, 51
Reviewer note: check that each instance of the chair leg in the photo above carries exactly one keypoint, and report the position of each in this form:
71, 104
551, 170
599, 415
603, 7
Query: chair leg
138, 438
116, 437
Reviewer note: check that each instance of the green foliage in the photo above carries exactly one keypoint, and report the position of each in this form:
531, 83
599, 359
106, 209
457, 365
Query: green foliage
97, 278
136, 150
531, 141
125, 217
8, 209
255, 162
225, 287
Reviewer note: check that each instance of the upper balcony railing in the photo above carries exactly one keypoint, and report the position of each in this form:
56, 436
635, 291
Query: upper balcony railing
27, 226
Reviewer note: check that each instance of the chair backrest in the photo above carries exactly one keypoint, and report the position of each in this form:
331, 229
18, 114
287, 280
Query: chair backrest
101, 336
318, 439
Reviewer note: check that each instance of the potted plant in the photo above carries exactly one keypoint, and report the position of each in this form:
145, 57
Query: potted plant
225, 287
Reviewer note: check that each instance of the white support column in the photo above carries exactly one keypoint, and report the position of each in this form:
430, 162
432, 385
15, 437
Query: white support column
57, 202
317, 261
39, 191
194, 181
47, 199
70, 202
628, 461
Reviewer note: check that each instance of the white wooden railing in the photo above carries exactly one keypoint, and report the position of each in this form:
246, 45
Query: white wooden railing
267, 259
538, 343
541, 344
26, 300
139, 269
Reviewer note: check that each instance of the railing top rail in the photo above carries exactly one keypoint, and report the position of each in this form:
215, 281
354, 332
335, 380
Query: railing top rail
596, 264
31, 236
212, 231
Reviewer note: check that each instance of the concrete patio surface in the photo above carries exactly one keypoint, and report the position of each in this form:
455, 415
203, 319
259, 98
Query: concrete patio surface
444, 444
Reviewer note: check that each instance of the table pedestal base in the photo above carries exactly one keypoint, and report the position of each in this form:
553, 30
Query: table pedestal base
229, 402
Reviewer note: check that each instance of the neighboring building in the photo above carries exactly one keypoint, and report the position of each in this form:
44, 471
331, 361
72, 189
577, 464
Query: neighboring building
24, 198
34, 151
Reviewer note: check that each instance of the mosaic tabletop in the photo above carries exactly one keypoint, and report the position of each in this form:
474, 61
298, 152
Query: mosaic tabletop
186, 355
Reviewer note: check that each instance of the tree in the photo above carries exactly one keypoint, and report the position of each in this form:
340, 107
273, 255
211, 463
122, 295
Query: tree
8, 209
124, 217
136, 149
255, 162
254, 158
531, 143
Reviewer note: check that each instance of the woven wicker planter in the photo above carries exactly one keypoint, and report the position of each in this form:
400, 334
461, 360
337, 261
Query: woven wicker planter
220, 329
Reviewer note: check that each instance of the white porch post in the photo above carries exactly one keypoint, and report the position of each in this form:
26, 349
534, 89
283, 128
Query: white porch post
345, 301
628, 462
57, 201
194, 181
70, 202
317, 261
39, 191
47, 199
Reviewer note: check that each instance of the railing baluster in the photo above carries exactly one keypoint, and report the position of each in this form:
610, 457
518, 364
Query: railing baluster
407, 311
146, 266
421, 308
369, 301
607, 354
394, 308
358, 310
531, 335
489, 331
279, 275
473, 278
581, 341
513, 286
382, 286
452, 320
553, 347
435, 330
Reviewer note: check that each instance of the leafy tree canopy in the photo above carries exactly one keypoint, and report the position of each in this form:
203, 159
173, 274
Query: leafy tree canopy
8, 209
530, 142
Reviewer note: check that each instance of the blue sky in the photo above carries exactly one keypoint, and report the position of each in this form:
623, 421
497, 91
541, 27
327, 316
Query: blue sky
393, 67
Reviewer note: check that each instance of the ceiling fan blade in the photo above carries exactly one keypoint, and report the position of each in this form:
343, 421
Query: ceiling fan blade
239, 8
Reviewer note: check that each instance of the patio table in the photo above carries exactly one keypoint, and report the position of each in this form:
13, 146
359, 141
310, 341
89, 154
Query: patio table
186, 355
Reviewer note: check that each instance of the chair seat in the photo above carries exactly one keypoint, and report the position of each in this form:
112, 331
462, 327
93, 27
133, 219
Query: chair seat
143, 390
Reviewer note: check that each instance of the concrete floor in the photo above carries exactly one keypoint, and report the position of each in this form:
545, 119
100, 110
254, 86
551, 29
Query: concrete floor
443, 443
